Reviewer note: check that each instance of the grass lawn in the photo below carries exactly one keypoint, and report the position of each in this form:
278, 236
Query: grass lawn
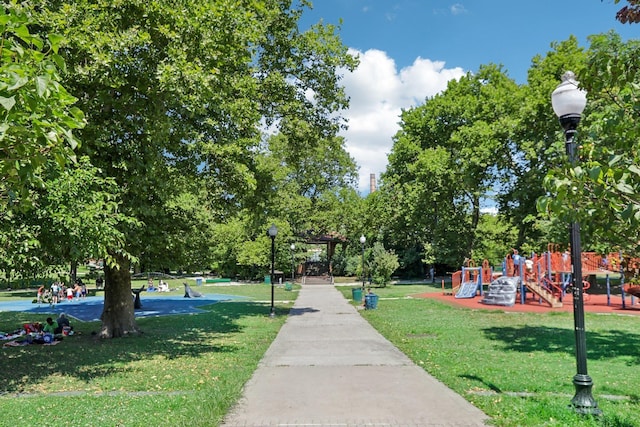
516, 367
189, 370
184, 370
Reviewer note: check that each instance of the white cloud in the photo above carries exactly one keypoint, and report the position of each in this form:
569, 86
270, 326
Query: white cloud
458, 9
378, 93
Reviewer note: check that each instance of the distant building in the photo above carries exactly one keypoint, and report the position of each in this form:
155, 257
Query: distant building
372, 182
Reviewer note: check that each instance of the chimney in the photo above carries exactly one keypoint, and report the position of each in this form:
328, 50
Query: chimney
372, 182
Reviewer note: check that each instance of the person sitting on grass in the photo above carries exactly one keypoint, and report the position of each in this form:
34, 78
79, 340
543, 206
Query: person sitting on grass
50, 326
63, 322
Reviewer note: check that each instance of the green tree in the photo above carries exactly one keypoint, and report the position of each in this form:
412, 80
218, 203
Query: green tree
185, 90
78, 215
601, 192
448, 157
535, 145
496, 238
382, 264
37, 116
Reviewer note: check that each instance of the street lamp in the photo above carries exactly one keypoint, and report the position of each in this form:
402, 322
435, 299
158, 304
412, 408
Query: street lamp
568, 102
362, 242
293, 263
272, 232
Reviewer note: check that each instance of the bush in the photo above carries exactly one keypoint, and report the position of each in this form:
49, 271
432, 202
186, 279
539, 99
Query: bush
383, 264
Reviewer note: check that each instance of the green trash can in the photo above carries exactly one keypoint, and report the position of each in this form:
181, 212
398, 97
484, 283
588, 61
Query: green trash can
288, 286
267, 279
356, 294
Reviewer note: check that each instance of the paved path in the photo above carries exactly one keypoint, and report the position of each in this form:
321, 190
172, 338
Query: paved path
329, 367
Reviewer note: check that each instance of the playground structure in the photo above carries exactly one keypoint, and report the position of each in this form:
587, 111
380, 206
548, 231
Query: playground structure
548, 276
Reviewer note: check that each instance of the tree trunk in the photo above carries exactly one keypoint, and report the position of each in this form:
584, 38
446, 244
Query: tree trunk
118, 314
475, 220
73, 271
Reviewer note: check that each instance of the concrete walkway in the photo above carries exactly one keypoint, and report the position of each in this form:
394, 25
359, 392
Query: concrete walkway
329, 367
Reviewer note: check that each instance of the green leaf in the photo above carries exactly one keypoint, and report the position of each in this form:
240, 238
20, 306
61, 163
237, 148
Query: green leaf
627, 213
55, 40
625, 188
23, 33
59, 61
41, 85
16, 81
634, 169
7, 103
615, 159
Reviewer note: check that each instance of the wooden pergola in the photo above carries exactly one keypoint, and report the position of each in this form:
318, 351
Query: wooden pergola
331, 240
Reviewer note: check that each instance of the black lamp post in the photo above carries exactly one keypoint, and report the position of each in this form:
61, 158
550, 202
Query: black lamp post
293, 263
568, 102
363, 240
272, 232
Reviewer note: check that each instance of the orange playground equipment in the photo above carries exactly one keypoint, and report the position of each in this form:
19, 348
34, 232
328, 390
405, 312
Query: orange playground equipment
468, 282
547, 276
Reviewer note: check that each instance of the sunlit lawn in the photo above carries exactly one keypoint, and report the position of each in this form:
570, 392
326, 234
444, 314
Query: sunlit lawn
183, 370
517, 367
189, 370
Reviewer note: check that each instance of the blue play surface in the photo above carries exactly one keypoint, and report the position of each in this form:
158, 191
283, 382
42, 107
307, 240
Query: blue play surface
90, 308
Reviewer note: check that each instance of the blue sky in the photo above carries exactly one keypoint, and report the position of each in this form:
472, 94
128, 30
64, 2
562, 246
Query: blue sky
409, 49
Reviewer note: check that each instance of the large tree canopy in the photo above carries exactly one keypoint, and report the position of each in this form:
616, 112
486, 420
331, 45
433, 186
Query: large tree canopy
448, 156
604, 186
48, 216
37, 114
183, 89
536, 145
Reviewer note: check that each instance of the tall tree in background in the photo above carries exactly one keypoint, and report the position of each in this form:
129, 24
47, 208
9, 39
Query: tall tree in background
446, 159
302, 179
183, 91
535, 145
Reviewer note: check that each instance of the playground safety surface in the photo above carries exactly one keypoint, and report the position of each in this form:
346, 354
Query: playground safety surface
90, 308
592, 304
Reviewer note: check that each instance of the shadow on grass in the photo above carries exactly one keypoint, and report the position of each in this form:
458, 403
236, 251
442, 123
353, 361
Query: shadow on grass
490, 386
603, 346
84, 357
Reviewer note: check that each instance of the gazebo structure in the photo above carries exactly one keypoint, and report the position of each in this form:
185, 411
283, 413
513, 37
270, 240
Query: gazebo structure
321, 271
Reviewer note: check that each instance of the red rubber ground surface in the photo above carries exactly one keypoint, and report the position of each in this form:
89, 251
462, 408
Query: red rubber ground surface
592, 304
